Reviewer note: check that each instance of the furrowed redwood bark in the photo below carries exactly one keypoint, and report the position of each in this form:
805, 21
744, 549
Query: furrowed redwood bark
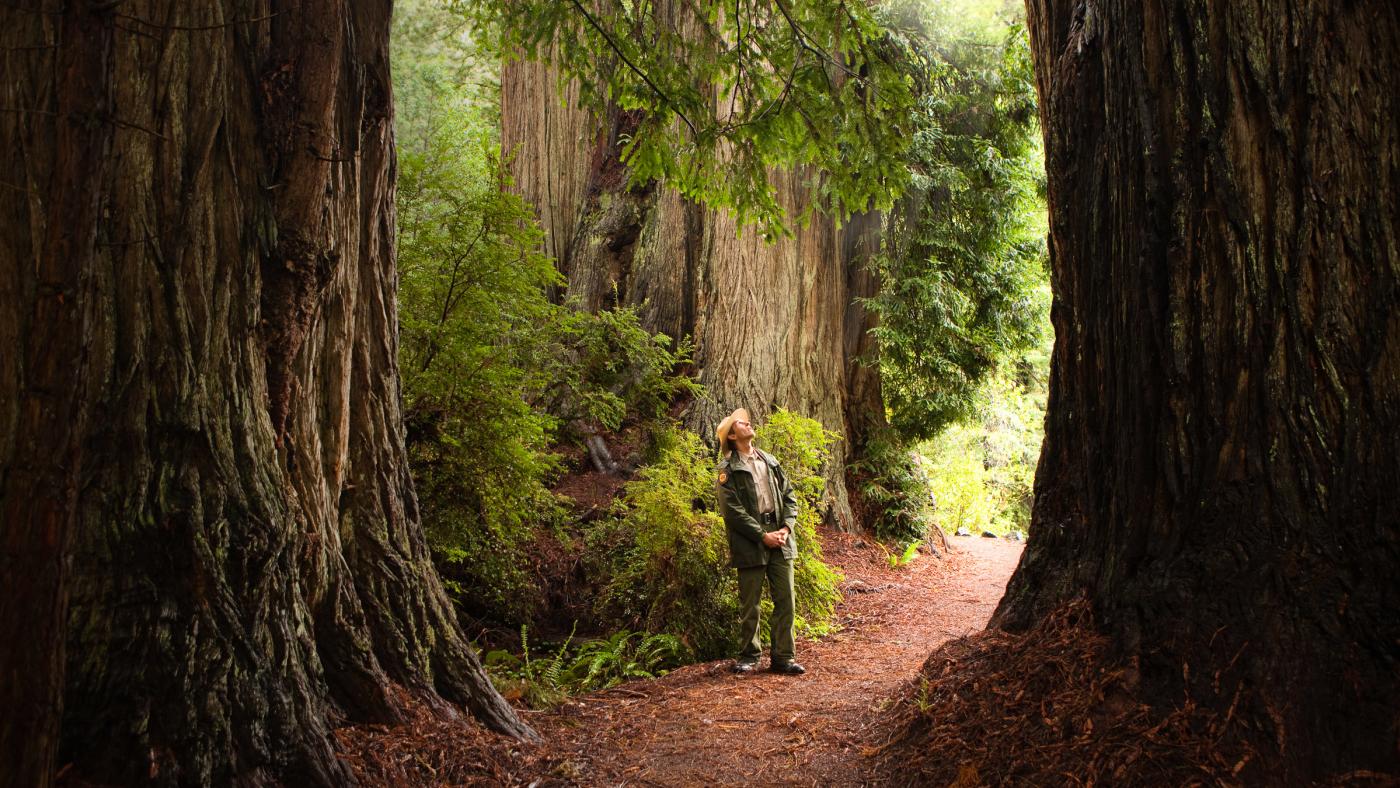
1220, 462
247, 564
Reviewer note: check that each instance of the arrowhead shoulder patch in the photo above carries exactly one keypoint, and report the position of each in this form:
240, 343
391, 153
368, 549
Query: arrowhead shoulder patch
723, 477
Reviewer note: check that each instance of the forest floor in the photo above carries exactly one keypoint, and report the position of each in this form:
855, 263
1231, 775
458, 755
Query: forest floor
703, 725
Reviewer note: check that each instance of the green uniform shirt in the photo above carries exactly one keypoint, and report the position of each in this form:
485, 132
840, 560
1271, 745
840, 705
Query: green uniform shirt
738, 504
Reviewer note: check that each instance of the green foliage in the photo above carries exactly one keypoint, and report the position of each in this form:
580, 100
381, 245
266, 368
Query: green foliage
493, 370
894, 488
803, 447
543, 681
963, 493
963, 256
607, 662
724, 90
905, 558
983, 470
608, 367
438, 70
473, 318
538, 681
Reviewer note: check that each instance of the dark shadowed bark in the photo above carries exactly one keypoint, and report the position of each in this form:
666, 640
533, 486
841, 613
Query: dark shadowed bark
247, 566
48, 376
1220, 462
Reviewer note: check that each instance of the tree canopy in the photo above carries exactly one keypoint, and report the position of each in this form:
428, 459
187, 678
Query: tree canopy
727, 90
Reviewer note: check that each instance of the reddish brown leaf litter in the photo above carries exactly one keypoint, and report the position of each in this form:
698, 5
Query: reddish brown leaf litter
1048, 707
437, 746
1052, 707
702, 725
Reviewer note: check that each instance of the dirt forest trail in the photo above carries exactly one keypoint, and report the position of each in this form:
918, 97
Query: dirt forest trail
702, 725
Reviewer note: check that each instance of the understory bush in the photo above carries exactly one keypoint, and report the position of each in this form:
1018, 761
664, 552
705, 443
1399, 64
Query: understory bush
474, 315
609, 368
894, 491
663, 557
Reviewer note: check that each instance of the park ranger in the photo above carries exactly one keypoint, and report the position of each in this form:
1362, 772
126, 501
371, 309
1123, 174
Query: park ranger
759, 511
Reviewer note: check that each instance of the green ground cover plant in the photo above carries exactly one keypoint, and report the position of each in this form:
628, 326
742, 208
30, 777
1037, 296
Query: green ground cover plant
544, 678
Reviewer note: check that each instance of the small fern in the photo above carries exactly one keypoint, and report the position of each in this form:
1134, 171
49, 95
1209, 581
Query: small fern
542, 681
911, 551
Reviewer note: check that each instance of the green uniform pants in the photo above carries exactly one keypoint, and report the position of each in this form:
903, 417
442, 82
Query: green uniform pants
778, 573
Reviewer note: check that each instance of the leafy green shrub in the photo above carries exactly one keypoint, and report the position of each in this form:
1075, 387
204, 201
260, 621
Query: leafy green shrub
905, 558
983, 470
608, 367
963, 495
893, 490
474, 315
1013, 424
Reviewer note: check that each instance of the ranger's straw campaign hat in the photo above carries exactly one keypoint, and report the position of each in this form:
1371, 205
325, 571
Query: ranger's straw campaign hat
722, 431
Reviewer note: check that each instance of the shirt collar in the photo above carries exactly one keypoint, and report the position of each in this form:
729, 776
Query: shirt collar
735, 458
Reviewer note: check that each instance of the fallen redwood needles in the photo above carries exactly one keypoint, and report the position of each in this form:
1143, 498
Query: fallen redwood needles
1049, 707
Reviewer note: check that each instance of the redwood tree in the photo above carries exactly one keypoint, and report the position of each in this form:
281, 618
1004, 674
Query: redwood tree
200, 432
1220, 463
642, 212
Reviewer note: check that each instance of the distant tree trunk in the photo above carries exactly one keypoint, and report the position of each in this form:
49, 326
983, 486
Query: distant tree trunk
1221, 458
197, 239
861, 239
548, 142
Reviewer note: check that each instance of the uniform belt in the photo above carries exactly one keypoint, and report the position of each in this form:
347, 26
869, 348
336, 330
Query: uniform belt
768, 517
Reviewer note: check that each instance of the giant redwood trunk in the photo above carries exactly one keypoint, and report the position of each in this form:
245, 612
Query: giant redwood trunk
1221, 459
200, 433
